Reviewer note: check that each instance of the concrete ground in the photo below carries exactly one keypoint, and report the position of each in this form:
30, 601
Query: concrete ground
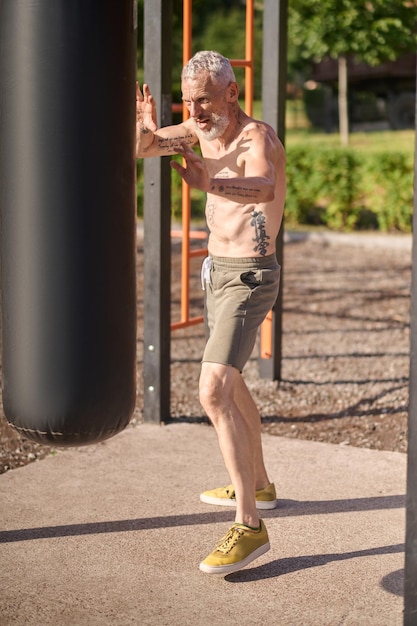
112, 534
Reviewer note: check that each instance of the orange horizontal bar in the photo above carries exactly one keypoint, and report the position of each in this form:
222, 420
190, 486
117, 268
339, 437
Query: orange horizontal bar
194, 234
191, 322
196, 253
241, 62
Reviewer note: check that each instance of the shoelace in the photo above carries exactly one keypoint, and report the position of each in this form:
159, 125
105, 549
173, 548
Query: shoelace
230, 539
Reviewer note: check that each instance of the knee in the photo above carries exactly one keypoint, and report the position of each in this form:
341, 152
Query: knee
210, 392
214, 393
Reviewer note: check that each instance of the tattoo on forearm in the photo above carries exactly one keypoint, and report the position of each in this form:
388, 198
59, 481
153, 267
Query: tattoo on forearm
258, 222
145, 132
170, 144
235, 190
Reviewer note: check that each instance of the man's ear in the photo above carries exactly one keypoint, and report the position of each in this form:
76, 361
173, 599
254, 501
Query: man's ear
232, 92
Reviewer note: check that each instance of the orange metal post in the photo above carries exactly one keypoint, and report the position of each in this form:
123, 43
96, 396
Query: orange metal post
186, 203
266, 337
247, 62
185, 233
249, 53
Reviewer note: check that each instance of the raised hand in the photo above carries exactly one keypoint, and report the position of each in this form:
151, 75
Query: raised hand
146, 119
195, 174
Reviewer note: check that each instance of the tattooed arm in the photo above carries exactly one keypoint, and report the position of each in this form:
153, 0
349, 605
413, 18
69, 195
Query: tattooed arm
259, 162
151, 141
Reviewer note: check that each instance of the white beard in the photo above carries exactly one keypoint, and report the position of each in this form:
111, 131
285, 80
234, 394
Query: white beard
219, 125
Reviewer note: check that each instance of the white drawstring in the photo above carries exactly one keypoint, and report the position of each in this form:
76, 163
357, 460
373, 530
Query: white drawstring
205, 272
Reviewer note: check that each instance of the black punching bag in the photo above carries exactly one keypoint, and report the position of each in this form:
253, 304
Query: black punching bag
68, 217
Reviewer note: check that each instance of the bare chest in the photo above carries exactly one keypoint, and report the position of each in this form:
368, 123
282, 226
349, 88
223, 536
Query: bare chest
224, 165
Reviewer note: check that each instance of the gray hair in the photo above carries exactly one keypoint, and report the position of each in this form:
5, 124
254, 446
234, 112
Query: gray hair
214, 63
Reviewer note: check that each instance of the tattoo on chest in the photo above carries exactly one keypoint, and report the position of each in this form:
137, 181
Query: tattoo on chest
258, 222
210, 208
223, 174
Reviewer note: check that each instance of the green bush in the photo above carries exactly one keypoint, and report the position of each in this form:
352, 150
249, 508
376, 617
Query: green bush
389, 178
345, 189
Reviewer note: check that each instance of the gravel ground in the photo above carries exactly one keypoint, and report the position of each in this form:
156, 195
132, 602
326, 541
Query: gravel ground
345, 348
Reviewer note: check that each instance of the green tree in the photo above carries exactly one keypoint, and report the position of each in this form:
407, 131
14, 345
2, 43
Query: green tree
372, 31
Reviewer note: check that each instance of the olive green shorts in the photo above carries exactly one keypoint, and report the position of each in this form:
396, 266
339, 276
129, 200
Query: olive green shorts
239, 294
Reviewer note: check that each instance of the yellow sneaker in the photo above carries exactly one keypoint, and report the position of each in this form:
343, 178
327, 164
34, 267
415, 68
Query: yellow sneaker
239, 547
266, 498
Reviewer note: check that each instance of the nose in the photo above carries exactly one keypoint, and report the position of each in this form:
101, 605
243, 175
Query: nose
195, 109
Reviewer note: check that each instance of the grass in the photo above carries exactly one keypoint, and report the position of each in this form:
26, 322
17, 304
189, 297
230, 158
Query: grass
375, 141
299, 131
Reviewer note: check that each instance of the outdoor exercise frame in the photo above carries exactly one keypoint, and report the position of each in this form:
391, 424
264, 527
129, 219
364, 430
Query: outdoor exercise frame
157, 202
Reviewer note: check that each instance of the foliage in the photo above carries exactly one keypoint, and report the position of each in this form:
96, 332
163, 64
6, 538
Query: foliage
346, 189
216, 36
371, 31
389, 178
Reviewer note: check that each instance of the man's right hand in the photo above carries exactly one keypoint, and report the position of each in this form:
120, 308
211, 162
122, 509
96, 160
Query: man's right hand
146, 119
152, 141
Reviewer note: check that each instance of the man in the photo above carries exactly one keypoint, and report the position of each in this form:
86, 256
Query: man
242, 170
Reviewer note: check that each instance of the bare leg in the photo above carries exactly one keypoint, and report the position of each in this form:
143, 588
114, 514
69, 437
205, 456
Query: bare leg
250, 412
224, 396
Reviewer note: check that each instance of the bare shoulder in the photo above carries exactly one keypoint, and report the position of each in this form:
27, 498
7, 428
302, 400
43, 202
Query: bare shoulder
263, 137
261, 131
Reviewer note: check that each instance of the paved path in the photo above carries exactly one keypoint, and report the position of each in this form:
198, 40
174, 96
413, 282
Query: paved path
112, 534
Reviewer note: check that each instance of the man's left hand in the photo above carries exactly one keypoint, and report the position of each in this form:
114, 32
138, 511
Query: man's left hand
195, 173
